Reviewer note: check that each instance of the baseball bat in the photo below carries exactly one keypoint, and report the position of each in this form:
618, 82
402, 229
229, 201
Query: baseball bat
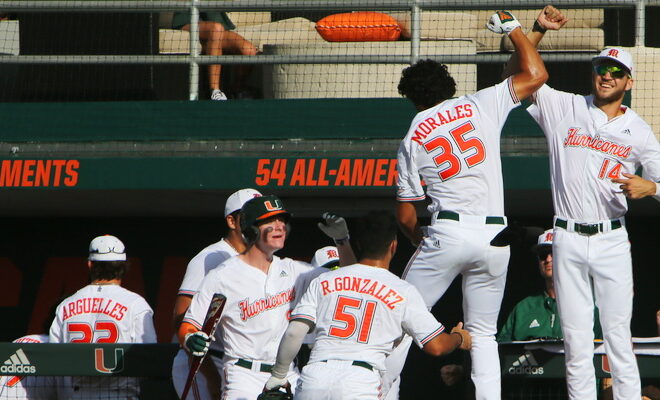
210, 323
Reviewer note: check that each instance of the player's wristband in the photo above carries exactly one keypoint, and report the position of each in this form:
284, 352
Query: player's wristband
460, 336
538, 28
341, 242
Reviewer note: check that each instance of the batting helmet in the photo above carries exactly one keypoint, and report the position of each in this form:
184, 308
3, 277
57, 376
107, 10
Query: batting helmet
259, 209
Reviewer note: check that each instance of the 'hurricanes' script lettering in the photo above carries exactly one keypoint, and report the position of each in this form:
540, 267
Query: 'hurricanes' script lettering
427, 126
249, 310
380, 291
575, 139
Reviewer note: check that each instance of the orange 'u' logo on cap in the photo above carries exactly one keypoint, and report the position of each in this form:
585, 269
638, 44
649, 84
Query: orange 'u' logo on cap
613, 53
271, 207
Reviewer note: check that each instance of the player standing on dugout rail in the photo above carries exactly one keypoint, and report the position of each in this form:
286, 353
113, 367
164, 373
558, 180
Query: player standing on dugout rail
596, 144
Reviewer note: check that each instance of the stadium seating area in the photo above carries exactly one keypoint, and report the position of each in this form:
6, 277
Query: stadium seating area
442, 32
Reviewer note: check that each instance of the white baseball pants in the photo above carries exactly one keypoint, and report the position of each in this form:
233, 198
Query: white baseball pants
604, 259
463, 247
240, 383
338, 380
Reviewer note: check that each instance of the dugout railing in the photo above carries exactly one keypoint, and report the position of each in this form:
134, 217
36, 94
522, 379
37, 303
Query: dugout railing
533, 370
194, 60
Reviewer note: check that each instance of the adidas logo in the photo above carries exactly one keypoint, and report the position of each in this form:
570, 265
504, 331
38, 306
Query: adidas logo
283, 274
526, 364
534, 324
18, 363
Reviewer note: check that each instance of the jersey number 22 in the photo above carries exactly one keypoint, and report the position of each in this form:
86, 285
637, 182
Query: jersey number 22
103, 332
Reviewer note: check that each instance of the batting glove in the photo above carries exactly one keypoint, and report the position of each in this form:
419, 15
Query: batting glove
503, 22
334, 226
275, 383
197, 343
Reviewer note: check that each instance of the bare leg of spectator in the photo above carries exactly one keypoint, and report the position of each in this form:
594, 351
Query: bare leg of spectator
236, 44
217, 40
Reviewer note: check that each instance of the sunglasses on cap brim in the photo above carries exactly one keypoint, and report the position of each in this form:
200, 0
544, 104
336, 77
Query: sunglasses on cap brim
542, 253
615, 72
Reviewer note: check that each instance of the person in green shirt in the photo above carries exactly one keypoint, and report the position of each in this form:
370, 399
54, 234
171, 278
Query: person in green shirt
536, 317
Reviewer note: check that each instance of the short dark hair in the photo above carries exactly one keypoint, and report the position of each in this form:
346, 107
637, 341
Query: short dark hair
375, 231
107, 270
427, 83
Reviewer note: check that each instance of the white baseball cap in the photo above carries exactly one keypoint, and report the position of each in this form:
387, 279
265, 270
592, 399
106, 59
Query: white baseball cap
326, 257
617, 54
545, 239
237, 199
107, 248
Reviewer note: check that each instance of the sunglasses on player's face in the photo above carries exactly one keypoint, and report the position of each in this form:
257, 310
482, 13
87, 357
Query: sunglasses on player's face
615, 72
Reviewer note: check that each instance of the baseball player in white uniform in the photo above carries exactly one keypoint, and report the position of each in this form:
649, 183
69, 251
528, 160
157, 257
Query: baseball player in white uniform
595, 146
104, 312
207, 380
357, 314
28, 387
261, 290
454, 145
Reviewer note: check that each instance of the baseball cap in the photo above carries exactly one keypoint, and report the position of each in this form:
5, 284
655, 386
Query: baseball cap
616, 54
544, 241
259, 208
237, 199
326, 257
107, 248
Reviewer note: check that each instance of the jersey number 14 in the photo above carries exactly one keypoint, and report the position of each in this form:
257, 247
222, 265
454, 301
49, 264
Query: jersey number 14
448, 160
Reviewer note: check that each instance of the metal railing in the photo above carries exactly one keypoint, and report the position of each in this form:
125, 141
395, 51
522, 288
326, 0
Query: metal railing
195, 59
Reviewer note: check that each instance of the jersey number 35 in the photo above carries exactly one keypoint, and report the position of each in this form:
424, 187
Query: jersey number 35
448, 161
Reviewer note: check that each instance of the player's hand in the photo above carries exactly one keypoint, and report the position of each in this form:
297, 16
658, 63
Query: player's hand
636, 187
274, 383
466, 343
502, 22
197, 343
551, 19
334, 226
451, 374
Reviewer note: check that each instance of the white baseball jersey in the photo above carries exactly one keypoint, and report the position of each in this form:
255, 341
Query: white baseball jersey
257, 308
360, 311
587, 151
200, 265
28, 387
455, 148
104, 314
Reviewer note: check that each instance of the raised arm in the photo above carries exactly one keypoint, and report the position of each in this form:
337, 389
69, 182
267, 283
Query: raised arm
531, 74
335, 227
550, 18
